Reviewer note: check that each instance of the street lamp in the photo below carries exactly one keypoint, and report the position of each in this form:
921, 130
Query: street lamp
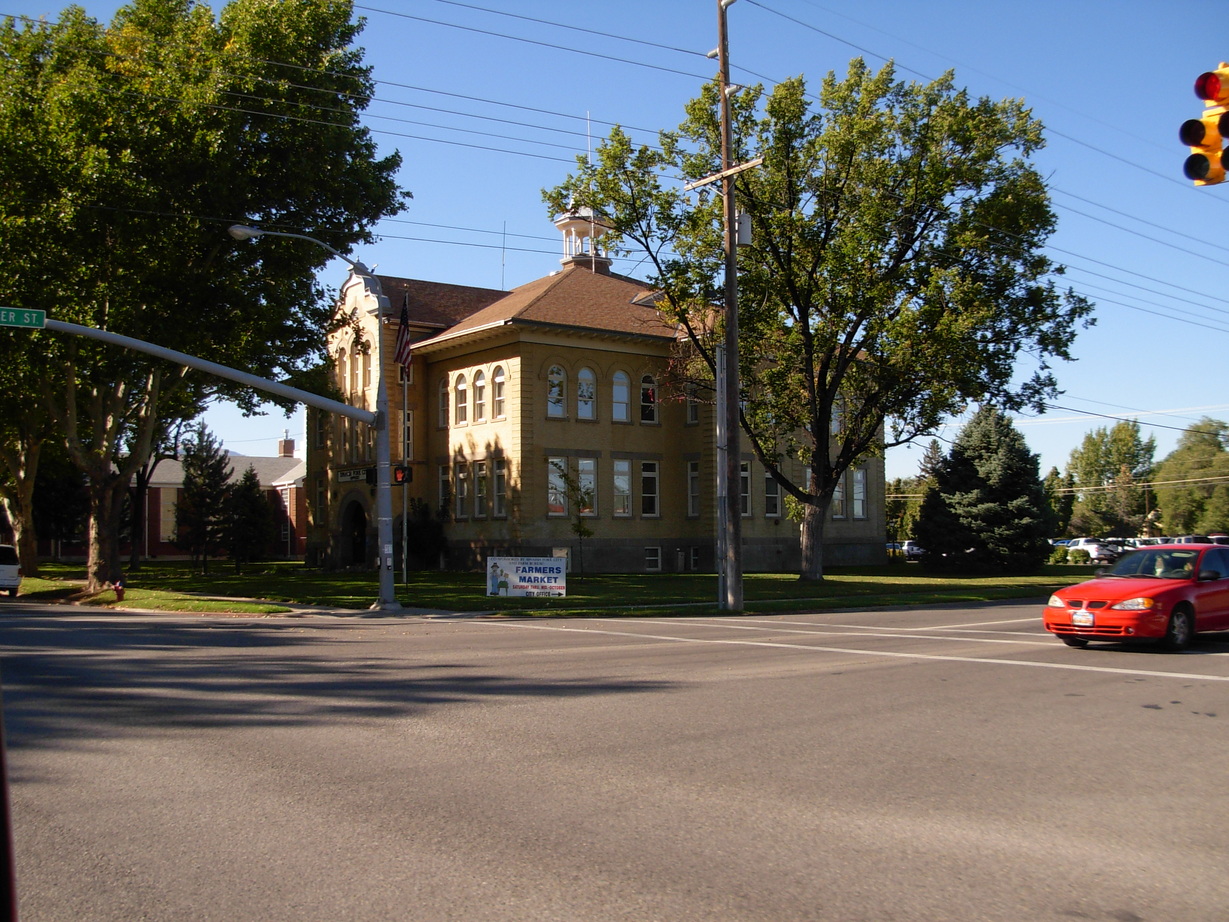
384, 496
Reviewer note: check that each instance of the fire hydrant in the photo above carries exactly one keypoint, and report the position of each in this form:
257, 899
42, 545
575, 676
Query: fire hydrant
118, 586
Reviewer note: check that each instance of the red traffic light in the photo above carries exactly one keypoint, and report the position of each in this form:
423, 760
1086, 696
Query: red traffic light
1213, 86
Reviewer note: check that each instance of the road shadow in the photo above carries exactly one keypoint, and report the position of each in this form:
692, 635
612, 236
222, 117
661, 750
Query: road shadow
70, 682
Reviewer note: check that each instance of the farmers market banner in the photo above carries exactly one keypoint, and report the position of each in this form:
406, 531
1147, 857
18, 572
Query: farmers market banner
527, 576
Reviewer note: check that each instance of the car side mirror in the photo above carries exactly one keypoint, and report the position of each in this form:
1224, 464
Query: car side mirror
1208, 575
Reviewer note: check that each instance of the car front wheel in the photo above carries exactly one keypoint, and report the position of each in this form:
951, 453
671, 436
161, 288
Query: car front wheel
1181, 629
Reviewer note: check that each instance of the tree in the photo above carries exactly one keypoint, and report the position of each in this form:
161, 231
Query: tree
896, 272
578, 493
1192, 482
202, 510
1060, 494
125, 151
1111, 470
250, 527
988, 512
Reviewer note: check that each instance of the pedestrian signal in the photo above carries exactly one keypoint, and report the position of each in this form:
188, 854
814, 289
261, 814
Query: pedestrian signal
402, 474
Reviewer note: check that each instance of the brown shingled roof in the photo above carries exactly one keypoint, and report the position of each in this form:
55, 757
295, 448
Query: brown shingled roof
574, 297
436, 303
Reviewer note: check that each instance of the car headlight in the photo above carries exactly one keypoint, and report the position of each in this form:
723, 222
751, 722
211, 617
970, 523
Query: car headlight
1141, 604
1056, 602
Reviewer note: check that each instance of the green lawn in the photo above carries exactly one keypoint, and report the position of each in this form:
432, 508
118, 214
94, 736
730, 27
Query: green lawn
176, 587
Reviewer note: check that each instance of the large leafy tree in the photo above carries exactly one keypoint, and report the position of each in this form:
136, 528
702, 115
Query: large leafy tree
1111, 470
896, 272
125, 151
988, 511
1192, 482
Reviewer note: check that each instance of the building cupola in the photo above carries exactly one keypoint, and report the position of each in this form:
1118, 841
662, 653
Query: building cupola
582, 230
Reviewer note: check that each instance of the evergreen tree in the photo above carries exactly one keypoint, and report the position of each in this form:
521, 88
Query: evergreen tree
201, 510
251, 528
988, 512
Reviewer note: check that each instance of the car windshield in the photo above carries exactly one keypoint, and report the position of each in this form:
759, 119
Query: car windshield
1157, 563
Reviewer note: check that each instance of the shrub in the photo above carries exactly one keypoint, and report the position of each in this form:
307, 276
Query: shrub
1059, 555
1079, 555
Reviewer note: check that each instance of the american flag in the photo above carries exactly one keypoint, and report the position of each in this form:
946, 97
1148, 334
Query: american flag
402, 353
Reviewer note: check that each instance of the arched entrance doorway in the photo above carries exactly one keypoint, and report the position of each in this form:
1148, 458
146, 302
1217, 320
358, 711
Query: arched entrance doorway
352, 542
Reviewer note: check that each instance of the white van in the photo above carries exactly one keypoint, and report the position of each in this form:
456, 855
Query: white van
10, 569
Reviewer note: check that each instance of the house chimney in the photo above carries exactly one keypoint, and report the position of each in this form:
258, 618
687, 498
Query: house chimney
285, 448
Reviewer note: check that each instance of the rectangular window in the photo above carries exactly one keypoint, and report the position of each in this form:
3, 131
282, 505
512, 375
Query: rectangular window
693, 406
556, 488
858, 499
744, 487
772, 496
366, 371
838, 500
586, 395
462, 507
445, 487
622, 487
322, 502
166, 514
621, 399
693, 488
652, 559
500, 498
586, 481
648, 488
694, 558
320, 424
481, 488
497, 392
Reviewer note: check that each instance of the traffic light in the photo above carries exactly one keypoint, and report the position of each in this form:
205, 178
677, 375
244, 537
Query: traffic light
402, 474
1205, 136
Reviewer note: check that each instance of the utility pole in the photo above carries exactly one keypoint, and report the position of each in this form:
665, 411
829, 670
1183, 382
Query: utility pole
730, 565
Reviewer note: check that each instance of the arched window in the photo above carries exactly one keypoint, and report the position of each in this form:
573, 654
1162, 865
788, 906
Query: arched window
648, 399
556, 392
441, 419
586, 394
621, 398
460, 403
479, 397
497, 392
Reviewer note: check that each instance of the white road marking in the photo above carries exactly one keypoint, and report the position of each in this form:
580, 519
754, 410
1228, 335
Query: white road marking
1071, 667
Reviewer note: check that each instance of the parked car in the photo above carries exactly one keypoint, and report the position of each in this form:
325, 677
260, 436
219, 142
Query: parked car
1165, 593
10, 569
1099, 551
911, 550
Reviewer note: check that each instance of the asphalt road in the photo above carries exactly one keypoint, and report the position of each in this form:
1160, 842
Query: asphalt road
945, 764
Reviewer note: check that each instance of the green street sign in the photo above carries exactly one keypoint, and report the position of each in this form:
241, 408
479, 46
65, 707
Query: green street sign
12, 317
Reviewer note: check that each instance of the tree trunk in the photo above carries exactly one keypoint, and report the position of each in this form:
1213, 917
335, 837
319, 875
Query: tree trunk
103, 562
813, 542
22, 462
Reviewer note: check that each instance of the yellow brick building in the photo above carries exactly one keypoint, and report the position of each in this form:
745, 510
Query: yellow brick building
506, 390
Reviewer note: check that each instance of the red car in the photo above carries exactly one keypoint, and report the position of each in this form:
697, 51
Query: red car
1167, 593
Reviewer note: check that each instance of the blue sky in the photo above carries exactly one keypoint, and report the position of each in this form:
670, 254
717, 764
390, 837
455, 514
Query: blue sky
487, 109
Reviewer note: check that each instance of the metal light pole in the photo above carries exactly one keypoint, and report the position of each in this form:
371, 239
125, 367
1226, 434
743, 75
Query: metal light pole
384, 495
